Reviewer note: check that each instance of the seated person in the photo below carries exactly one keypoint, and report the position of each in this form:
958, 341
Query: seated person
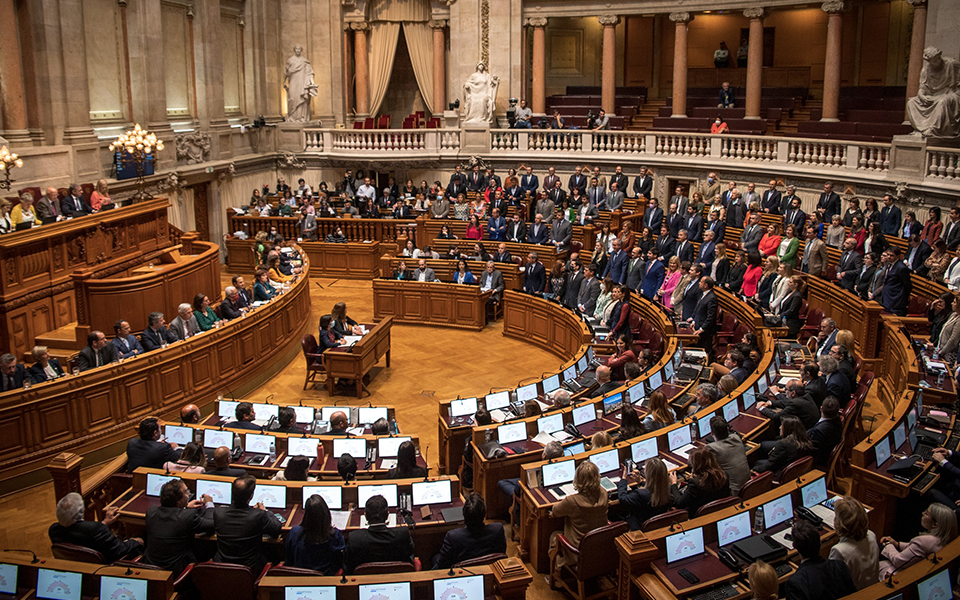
185, 324
377, 543
857, 547
205, 316
734, 362
172, 526
481, 418
581, 512
604, 375
641, 503
661, 414
156, 335
221, 464
97, 353
795, 403
240, 527
630, 424
127, 345
338, 424
380, 427
262, 290
245, 417
763, 580
45, 368
827, 433
192, 460
347, 467
793, 444
232, 306
731, 453
315, 543
474, 540
190, 415
940, 528
511, 487
816, 577
406, 463
287, 417
70, 528
623, 355
296, 470
147, 450
342, 324
708, 482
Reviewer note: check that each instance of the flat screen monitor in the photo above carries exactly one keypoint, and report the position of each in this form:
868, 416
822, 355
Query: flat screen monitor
636, 393
912, 436
730, 411
550, 423
214, 438
655, 381
527, 392
389, 446
677, 438
762, 385
899, 435
8, 579
305, 414
302, 446
584, 414
155, 481
177, 434
582, 364
220, 491
703, 426
497, 400
459, 588
387, 490
936, 587
749, 398
355, 447
432, 492
265, 411
58, 585
685, 544
558, 473
331, 494
606, 461
255, 443
367, 415
463, 408
570, 372
733, 529
774, 367
612, 403
573, 449
919, 401
814, 492
883, 451
122, 588
309, 592
512, 432
386, 591
643, 450
912, 418
551, 383
777, 511
668, 371
328, 411
227, 409
776, 359
590, 354
272, 496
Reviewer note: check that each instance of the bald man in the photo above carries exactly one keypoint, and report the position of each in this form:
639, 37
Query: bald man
48, 208
190, 414
221, 461
338, 423
603, 379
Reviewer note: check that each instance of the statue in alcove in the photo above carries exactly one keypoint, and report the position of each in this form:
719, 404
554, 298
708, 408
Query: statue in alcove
480, 96
935, 111
298, 81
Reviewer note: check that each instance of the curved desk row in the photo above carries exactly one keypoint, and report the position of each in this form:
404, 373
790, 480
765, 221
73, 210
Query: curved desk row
431, 303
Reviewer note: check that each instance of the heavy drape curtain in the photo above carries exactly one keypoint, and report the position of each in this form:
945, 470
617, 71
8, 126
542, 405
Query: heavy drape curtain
386, 16
383, 47
420, 46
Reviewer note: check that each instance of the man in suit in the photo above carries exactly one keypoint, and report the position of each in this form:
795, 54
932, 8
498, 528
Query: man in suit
614, 200
705, 315
244, 293
377, 543
604, 375
440, 207
751, 196
491, 179
752, 234
538, 234
497, 226
848, 267
897, 285
73, 205
787, 200
556, 198
474, 539
827, 433
575, 279
70, 528
550, 181
492, 279
245, 417
156, 335
890, 217
837, 383
12, 374
867, 276
731, 453
653, 215
146, 450
815, 256
813, 384
636, 268
172, 527
577, 181
684, 249
97, 353
951, 232
457, 174
715, 225
221, 462
586, 212
917, 253
620, 179
589, 291
681, 201
736, 209
771, 199
596, 192
561, 232
534, 275
826, 337
185, 325
693, 223
791, 402
499, 201
708, 251
794, 216
232, 307
727, 195
674, 220
502, 255
829, 203
692, 293
511, 195
665, 245
734, 362
844, 363
617, 264
48, 208
240, 527
816, 577
643, 184
516, 229
653, 276
529, 182
475, 180
423, 272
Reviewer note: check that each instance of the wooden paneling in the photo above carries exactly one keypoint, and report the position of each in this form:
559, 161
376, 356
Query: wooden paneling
430, 303
444, 269
850, 312
543, 324
349, 261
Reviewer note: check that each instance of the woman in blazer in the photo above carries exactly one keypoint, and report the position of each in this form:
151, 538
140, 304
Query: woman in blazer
734, 279
721, 264
652, 499
45, 368
751, 276
794, 443
949, 337
463, 274
262, 290
621, 357
402, 274
619, 322
790, 307
342, 324
857, 547
933, 227
940, 528
767, 281
581, 512
787, 253
708, 482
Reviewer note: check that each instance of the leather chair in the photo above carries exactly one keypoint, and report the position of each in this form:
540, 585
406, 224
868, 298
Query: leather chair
716, 505
795, 469
760, 484
377, 568
313, 358
487, 559
596, 556
75, 552
811, 326
224, 581
670, 517
656, 343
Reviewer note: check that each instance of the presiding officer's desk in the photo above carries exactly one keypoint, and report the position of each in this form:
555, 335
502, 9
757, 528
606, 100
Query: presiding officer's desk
431, 303
355, 362
445, 268
159, 584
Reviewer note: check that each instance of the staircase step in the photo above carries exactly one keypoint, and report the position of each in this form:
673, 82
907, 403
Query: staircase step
63, 338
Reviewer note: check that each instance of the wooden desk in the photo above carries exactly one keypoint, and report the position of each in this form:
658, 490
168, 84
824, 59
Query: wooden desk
353, 260
431, 303
850, 312
385, 231
159, 583
544, 324
444, 269
546, 253
355, 362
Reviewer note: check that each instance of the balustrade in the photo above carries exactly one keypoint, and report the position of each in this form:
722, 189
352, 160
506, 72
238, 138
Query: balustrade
943, 163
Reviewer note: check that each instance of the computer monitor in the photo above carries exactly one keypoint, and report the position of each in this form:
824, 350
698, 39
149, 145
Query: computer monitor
558, 473
432, 492
590, 354
309, 592
272, 496
606, 461
899, 435
655, 381
774, 367
912, 437
214, 438
254, 443
936, 587
331, 494
550, 423
122, 588
730, 411
584, 414
220, 491
573, 449
733, 529
685, 544
497, 400
814, 492
305, 414
355, 447
776, 359
8, 579
570, 372
58, 585
326, 412
919, 401
386, 591
459, 588
177, 434
912, 418
777, 511
265, 411
511, 432
636, 393
227, 409
551, 383
644, 449
668, 370
749, 398
302, 446
582, 364
527, 392
677, 438
703, 426
369, 415
883, 451
387, 490
389, 447
155, 481
612, 403
463, 408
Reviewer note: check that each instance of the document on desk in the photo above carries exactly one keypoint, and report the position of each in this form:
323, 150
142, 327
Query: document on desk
670, 466
824, 513
388, 463
684, 451
498, 415
286, 250
391, 521
349, 340
561, 436
355, 430
566, 489
543, 407
781, 537
789, 374
340, 519
543, 438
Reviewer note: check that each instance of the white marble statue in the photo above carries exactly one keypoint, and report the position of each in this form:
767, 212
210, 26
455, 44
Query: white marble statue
298, 81
935, 111
480, 96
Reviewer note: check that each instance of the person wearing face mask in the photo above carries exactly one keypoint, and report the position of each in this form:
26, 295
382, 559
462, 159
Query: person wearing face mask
719, 126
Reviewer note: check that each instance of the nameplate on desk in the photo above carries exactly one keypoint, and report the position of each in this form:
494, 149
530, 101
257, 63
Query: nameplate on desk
391, 521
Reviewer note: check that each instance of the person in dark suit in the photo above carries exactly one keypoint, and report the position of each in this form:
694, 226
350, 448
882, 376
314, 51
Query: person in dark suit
653, 215
916, 254
828, 204
890, 217
643, 184
736, 209
684, 249
674, 221
575, 278
653, 276
171, 527
691, 293
816, 578
529, 182
73, 205
827, 433
770, 201
794, 401
897, 285
534, 275
715, 225
813, 384
794, 216
516, 229
221, 462
474, 540
620, 179
475, 180
287, 418
837, 383
731, 453
156, 335
578, 181
951, 231
589, 290
127, 346
240, 527
617, 264
604, 375
245, 416
849, 265
666, 244
539, 232
147, 450
244, 293
70, 528
865, 278
377, 543
502, 255
636, 268
705, 315
693, 223
708, 482
44, 368
708, 251
791, 306
97, 353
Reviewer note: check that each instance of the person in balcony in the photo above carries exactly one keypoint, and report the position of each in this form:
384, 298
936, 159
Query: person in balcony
719, 126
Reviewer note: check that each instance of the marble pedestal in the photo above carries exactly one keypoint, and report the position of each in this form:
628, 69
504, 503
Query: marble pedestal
475, 138
290, 135
908, 156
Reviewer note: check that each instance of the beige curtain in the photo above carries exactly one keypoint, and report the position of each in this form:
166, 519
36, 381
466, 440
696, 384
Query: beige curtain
400, 10
382, 49
420, 47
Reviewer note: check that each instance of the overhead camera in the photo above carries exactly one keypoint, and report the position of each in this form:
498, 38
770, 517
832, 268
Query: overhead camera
455, 104
258, 123
543, 123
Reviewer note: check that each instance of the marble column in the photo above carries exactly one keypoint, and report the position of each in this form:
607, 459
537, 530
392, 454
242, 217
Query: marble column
77, 127
680, 63
754, 62
609, 72
439, 66
917, 39
539, 75
362, 85
11, 79
831, 67
153, 105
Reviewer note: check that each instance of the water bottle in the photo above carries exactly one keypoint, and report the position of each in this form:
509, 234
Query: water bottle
758, 521
236, 441
273, 451
694, 431
788, 359
487, 435
936, 353
940, 380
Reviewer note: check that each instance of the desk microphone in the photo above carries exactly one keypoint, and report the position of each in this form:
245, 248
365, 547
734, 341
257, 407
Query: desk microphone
677, 524
427, 472
267, 400
34, 561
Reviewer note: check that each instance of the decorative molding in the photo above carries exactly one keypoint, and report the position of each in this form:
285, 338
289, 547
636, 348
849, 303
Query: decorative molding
359, 25
833, 6
474, 161
173, 182
536, 22
190, 11
681, 17
755, 12
227, 173
241, 23
288, 160
916, 3
438, 23
193, 147
485, 32
608, 20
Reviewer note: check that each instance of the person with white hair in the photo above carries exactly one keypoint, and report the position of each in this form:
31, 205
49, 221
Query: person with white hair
185, 325
70, 528
231, 307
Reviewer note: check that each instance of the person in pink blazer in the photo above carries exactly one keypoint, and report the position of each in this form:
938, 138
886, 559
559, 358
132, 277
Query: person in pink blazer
940, 528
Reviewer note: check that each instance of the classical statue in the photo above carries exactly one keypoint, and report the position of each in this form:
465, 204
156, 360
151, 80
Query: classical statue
298, 81
480, 96
935, 111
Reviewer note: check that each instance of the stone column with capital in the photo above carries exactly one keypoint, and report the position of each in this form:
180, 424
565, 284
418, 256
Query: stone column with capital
680, 63
11, 79
608, 74
831, 67
917, 38
439, 66
76, 90
362, 85
754, 62
539, 75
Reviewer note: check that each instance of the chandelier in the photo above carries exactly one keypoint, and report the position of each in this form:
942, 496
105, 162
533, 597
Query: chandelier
138, 144
8, 161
